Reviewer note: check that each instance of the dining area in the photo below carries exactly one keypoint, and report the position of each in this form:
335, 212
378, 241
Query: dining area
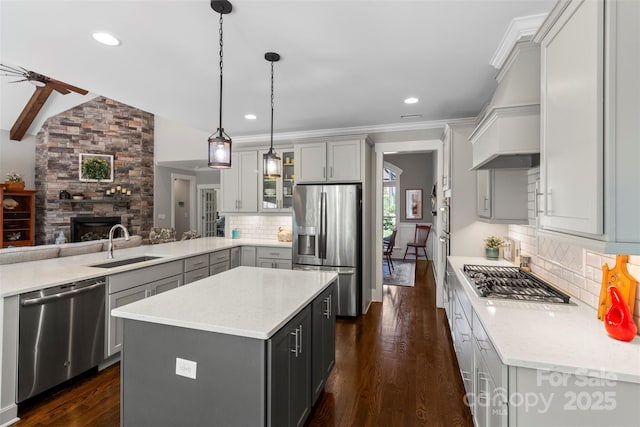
401, 250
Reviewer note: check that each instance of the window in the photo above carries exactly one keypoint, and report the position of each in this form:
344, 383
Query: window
390, 197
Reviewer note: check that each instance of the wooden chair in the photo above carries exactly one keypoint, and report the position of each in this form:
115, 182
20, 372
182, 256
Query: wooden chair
419, 241
388, 249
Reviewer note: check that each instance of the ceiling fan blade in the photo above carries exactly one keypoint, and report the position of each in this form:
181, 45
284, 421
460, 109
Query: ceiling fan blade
8, 68
29, 112
62, 86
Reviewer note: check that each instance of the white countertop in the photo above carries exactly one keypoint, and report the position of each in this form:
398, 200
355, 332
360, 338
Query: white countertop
561, 337
245, 301
29, 276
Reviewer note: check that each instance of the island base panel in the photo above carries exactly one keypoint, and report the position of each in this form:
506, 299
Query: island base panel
229, 386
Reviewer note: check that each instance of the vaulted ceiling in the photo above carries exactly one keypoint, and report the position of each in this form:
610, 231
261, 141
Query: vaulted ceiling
345, 64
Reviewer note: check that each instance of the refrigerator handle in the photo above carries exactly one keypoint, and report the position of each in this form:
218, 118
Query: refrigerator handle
323, 225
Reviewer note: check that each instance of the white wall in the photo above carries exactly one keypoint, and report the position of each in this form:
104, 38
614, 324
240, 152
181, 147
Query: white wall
18, 156
174, 141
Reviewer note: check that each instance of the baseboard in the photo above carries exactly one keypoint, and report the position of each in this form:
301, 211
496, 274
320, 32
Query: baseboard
9, 415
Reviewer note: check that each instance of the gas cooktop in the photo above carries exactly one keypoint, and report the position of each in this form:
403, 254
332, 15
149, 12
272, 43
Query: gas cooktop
512, 283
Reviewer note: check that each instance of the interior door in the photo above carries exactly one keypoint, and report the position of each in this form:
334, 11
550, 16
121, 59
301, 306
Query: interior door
208, 212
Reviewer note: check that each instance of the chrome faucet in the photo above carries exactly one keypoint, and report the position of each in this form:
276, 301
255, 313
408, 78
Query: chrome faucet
126, 237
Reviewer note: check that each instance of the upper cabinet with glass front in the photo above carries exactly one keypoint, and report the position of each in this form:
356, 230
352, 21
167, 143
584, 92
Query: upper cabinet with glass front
276, 194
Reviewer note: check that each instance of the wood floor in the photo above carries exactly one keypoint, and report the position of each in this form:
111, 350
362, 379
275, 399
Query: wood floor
395, 366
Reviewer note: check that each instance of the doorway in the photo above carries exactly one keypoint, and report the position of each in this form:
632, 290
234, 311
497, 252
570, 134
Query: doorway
208, 218
387, 149
183, 211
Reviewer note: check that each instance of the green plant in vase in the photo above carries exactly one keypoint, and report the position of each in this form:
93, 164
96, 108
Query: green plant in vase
492, 245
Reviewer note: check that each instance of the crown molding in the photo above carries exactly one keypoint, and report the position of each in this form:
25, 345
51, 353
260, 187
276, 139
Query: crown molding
319, 133
525, 26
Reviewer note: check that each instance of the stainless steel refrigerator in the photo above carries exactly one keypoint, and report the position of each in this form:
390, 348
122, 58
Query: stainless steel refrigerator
327, 235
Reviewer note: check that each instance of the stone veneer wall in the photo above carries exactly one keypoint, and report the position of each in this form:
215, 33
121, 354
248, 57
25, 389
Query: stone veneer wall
99, 126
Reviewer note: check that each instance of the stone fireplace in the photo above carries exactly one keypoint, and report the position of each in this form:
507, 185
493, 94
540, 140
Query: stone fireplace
84, 228
99, 126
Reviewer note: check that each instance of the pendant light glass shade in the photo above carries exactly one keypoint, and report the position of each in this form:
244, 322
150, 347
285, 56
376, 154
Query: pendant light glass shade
272, 164
219, 152
220, 143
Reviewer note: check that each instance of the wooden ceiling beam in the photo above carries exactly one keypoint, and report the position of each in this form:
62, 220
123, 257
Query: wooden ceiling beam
30, 112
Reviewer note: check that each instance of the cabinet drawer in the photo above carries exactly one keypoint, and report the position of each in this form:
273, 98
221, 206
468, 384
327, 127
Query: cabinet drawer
128, 279
278, 253
196, 262
192, 276
219, 256
496, 368
219, 267
464, 300
164, 285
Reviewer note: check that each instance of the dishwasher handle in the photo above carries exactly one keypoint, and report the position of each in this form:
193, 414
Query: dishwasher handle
41, 300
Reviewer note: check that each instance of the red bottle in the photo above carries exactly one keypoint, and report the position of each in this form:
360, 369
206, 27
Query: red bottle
618, 321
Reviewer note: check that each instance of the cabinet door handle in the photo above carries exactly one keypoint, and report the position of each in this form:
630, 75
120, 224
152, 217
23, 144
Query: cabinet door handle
536, 195
486, 199
294, 350
331, 171
300, 341
327, 314
324, 172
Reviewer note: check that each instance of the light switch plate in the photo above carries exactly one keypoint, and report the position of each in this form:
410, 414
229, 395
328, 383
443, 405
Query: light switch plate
186, 368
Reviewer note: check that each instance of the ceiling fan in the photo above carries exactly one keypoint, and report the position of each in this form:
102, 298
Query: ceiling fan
44, 86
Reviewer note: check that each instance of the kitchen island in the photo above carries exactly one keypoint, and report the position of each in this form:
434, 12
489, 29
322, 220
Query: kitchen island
249, 346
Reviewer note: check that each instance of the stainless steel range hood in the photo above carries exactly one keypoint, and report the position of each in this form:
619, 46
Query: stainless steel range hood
508, 134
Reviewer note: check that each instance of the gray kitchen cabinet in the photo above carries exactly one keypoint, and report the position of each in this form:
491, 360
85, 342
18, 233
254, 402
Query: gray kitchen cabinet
219, 261
491, 381
331, 161
235, 257
194, 275
289, 372
589, 124
248, 256
323, 329
502, 196
196, 268
273, 257
127, 287
240, 183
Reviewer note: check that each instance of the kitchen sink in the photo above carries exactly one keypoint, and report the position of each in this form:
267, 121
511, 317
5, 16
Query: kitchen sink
127, 261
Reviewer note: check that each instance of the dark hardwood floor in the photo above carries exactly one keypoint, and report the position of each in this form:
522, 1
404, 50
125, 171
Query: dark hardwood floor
395, 366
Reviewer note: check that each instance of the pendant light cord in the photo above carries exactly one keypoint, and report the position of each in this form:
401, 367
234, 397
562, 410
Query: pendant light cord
271, 149
220, 33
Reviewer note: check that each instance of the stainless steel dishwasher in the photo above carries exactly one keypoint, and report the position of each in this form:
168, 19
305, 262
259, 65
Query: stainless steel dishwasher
61, 334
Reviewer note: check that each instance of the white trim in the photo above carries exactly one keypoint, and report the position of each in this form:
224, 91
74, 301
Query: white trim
518, 28
393, 127
398, 147
192, 202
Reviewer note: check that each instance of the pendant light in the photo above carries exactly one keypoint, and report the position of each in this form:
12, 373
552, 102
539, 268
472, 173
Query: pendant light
220, 142
272, 164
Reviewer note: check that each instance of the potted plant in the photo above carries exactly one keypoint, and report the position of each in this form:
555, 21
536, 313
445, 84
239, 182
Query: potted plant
492, 246
14, 182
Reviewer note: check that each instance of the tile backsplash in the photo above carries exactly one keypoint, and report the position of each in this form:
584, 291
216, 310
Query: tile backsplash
574, 269
257, 227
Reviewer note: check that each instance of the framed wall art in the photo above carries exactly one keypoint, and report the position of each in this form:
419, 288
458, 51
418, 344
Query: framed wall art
413, 204
95, 167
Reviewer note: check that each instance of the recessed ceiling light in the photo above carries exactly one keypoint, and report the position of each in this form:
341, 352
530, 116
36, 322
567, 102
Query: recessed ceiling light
411, 100
106, 39
250, 116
